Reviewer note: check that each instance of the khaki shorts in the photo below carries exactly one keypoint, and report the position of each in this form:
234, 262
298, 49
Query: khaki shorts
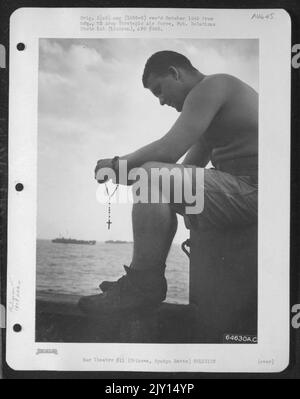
228, 201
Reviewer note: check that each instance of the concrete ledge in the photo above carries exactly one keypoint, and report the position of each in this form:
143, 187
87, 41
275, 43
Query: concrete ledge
58, 319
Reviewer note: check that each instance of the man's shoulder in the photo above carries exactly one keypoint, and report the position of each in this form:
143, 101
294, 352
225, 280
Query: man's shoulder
221, 81
220, 86
218, 80
216, 86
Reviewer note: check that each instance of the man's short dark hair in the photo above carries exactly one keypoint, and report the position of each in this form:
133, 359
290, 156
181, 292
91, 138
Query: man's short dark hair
160, 62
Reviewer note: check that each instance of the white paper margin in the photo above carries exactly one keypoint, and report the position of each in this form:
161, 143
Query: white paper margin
28, 25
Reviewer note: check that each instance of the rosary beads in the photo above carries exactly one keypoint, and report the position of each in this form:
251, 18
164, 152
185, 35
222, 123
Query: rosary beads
109, 222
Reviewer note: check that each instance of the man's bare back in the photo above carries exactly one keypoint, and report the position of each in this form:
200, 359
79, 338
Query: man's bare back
233, 132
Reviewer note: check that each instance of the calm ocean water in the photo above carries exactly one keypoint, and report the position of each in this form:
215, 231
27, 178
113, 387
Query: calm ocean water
79, 269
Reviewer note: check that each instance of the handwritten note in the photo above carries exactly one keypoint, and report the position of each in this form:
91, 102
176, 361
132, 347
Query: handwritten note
263, 16
14, 300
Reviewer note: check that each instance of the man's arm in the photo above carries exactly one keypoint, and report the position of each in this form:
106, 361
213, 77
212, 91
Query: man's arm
200, 108
199, 154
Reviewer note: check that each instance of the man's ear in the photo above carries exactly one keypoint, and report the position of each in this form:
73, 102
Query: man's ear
174, 72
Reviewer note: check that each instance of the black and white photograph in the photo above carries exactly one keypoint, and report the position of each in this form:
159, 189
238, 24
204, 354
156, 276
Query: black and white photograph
93, 104
150, 140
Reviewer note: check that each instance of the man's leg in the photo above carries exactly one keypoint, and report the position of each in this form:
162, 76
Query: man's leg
154, 227
155, 224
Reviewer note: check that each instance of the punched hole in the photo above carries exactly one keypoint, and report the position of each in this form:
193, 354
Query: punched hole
19, 187
17, 327
21, 46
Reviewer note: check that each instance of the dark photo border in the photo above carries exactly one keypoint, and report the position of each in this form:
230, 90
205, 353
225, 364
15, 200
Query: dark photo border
293, 8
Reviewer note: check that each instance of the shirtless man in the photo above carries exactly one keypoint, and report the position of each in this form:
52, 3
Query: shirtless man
218, 122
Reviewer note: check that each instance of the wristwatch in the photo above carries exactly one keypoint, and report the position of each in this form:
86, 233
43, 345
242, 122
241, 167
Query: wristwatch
115, 163
115, 166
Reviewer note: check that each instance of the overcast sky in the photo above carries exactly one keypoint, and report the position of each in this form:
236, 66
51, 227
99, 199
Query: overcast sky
92, 105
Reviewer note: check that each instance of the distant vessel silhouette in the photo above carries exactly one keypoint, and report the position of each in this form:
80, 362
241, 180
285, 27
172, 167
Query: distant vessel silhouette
62, 240
117, 242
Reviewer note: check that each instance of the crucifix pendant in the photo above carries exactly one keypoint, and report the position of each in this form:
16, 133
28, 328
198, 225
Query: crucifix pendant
108, 224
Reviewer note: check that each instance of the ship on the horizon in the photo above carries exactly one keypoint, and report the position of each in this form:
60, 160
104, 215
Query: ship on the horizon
117, 242
62, 240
